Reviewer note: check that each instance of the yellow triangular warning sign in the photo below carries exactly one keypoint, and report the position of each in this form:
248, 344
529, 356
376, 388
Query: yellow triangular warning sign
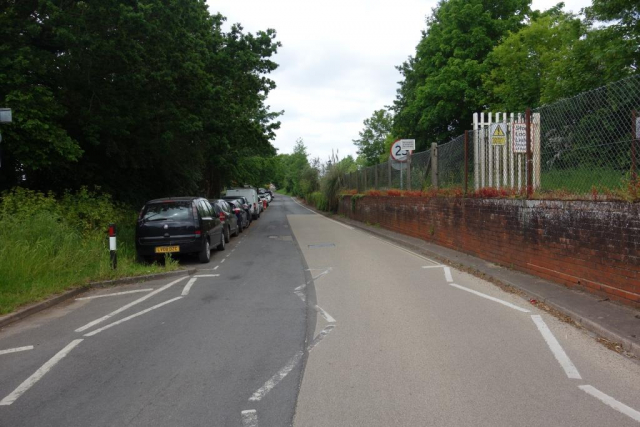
498, 131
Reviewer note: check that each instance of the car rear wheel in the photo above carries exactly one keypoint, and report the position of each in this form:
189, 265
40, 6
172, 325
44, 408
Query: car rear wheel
205, 253
221, 244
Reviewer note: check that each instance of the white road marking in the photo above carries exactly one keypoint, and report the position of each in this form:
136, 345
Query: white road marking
447, 274
499, 301
320, 336
275, 380
140, 313
115, 294
17, 349
187, 287
556, 348
37, 375
131, 304
433, 266
324, 314
299, 291
249, 418
216, 267
610, 401
223, 260
207, 275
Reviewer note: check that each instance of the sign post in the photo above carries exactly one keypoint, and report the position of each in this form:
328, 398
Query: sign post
401, 155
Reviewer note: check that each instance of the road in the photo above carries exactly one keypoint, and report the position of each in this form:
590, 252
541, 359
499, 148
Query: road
306, 321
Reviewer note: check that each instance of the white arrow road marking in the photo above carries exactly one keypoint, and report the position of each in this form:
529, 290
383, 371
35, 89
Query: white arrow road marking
140, 313
499, 301
275, 380
115, 294
556, 348
37, 375
131, 304
320, 336
17, 349
610, 401
249, 418
187, 287
324, 314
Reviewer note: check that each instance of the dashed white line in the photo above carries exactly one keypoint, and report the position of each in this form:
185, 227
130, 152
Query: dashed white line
223, 260
115, 294
324, 314
249, 418
140, 313
131, 304
17, 349
556, 348
610, 401
275, 380
499, 301
187, 287
320, 336
37, 375
216, 267
447, 274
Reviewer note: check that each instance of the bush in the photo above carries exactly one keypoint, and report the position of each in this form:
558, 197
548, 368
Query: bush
318, 200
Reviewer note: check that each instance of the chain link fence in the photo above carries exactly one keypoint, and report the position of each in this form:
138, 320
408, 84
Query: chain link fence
581, 146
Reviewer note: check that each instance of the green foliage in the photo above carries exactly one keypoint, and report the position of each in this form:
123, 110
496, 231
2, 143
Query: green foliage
155, 93
371, 144
299, 178
318, 200
50, 245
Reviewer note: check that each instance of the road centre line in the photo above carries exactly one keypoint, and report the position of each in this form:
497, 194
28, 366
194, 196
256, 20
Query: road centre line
499, 301
187, 287
556, 348
223, 260
131, 304
16, 349
249, 418
610, 401
323, 333
37, 375
115, 294
275, 380
140, 313
324, 314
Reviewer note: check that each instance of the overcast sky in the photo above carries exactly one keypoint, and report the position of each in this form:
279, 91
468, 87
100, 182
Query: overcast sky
336, 61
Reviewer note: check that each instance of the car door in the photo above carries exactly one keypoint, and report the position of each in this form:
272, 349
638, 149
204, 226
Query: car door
205, 218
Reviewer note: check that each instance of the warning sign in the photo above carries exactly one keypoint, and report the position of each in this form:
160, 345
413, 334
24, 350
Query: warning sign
519, 132
498, 133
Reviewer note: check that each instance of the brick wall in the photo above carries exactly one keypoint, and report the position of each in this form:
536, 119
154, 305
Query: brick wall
593, 245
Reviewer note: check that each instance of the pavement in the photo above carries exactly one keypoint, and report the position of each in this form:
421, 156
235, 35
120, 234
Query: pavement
618, 324
414, 341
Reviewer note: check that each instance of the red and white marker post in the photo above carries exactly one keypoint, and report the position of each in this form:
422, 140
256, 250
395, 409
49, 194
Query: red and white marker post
112, 246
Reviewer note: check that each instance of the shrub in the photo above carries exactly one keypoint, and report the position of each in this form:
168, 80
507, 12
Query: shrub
318, 200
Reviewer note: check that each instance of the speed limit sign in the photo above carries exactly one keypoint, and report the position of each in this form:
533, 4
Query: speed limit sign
397, 153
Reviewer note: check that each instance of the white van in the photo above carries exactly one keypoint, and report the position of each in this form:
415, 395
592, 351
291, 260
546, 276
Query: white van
255, 207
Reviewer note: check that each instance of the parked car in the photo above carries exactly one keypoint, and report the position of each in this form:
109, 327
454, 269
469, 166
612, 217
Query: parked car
252, 197
178, 225
263, 201
228, 218
241, 214
244, 204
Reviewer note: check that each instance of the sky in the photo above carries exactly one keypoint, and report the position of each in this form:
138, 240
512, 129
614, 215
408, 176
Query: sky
337, 61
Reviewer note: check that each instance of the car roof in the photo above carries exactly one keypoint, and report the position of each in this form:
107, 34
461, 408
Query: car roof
175, 199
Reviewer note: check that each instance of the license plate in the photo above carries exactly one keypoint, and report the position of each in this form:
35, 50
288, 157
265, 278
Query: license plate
167, 249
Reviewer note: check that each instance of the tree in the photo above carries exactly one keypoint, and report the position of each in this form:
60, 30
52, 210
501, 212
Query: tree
442, 85
371, 142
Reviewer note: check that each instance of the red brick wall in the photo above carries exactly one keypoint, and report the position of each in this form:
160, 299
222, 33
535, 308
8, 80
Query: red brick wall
594, 245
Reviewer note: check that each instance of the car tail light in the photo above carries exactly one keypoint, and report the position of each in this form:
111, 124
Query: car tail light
236, 210
222, 216
198, 233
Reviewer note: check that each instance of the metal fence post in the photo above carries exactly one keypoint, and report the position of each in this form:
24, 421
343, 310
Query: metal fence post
434, 165
466, 160
409, 172
634, 140
527, 118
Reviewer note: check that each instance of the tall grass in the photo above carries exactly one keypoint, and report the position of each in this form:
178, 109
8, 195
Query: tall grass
49, 244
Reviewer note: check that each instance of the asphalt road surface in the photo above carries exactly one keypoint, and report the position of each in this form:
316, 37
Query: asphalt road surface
306, 321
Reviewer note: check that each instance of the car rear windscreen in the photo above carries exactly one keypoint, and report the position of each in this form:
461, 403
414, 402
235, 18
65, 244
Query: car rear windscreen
168, 211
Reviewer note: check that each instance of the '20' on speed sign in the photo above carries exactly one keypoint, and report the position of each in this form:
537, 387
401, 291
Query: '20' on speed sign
397, 153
